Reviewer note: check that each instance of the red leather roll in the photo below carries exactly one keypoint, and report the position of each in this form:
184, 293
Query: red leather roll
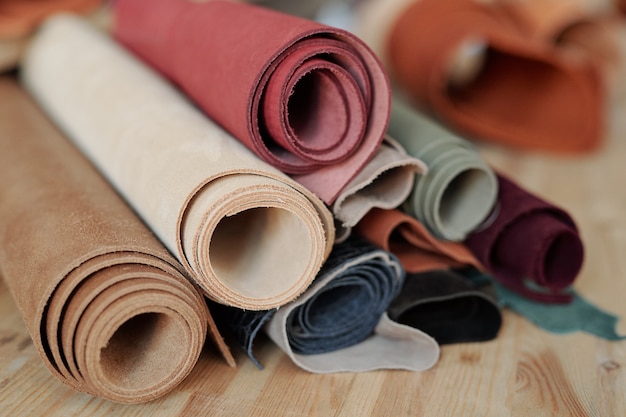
309, 99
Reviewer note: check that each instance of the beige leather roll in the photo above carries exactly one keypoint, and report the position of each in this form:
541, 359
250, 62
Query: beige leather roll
385, 182
231, 219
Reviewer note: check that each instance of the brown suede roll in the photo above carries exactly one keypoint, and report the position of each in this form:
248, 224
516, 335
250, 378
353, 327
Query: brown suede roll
108, 308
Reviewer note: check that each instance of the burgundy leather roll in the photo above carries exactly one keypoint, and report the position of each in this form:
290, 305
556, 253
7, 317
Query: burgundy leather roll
309, 99
529, 239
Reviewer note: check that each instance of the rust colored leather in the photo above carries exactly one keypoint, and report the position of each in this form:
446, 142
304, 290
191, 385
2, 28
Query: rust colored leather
527, 95
547, 20
410, 241
587, 30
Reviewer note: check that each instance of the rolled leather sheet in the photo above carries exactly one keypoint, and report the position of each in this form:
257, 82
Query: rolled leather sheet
385, 182
529, 239
309, 99
416, 248
559, 99
459, 190
448, 307
228, 217
109, 310
374, 20
340, 324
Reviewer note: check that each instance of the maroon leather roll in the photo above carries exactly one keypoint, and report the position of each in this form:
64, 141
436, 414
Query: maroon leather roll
529, 239
309, 99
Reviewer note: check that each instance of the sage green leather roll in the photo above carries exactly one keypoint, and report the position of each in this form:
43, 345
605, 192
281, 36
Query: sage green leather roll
459, 190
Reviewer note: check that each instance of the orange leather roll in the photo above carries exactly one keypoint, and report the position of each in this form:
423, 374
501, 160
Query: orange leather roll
547, 20
525, 94
584, 29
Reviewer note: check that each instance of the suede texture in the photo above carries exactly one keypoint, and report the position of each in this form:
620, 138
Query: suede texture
531, 239
459, 190
108, 308
448, 307
385, 182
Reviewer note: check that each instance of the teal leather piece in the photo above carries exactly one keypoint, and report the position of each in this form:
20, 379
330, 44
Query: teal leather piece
577, 315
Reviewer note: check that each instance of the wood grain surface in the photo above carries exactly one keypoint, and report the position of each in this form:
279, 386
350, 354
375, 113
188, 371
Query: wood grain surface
524, 372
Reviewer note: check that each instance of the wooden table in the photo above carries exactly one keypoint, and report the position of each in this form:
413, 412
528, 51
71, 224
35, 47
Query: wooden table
524, 372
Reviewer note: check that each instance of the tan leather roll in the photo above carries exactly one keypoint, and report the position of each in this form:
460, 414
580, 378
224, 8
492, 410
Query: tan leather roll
108, 308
